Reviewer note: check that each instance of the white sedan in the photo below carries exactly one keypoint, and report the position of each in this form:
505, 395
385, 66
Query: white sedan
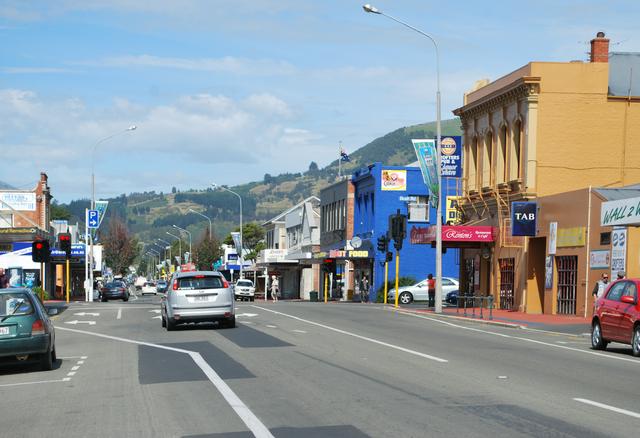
420, 291
149, 288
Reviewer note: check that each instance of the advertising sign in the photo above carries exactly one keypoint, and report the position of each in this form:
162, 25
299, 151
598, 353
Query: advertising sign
553, 237
618, 250
621, 212
451, 156
453, 213
548, 272
600, 259
568, 237
235, 235
450, 233
426, 153
394, 180
18, 201
524, 218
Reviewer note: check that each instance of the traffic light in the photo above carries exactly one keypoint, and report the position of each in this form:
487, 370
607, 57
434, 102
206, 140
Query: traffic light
40, 251
389, 256
64, 243
398, 228
383, 244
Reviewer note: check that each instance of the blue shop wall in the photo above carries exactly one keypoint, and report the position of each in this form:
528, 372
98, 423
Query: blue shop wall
372, 208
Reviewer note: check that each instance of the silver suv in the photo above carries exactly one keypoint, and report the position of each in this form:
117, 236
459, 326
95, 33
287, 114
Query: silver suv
198, 296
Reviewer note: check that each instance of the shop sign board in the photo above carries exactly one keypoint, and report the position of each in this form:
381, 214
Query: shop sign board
453, 213
452, 233
25, 201
451, 156
620, 212
395, 180
524, 218
568, 237
618, 250
600, 259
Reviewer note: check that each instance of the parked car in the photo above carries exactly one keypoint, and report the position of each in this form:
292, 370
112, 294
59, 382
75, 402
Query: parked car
26, 332
616, 316
198, 296
114, 290
161, 286
451, 298
244, 290
420, 292
149, 288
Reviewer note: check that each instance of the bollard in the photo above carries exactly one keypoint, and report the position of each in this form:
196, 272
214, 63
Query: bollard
490, 307
473, 308
481, 306
465, 304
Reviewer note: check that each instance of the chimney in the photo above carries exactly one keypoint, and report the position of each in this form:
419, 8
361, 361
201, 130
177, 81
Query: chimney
600, 48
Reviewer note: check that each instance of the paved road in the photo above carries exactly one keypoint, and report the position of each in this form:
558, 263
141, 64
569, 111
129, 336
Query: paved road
315, 370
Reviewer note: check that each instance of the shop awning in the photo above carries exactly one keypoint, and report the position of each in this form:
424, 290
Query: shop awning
452, 233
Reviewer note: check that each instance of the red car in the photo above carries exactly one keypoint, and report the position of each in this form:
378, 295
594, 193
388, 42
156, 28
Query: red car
616, 317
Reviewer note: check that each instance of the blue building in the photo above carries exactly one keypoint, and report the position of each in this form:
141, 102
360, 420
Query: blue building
381, 191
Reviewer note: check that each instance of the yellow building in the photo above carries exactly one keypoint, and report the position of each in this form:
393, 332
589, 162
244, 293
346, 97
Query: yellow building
544, 129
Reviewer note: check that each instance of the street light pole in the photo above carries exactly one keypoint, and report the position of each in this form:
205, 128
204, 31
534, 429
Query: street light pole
166, 248
438, 308
189, 233
89, 260
214, 185
179, 243
206, 217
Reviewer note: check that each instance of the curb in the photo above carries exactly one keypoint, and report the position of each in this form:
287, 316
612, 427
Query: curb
461, 318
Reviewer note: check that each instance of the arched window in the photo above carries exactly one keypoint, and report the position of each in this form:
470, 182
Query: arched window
515, 159
501, 170
472, 180
487, 160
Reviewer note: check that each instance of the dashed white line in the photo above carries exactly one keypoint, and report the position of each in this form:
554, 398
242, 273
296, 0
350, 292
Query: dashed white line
119, 315
608, 407
75, 368
71, 373
272, 326
66, 379
299, 331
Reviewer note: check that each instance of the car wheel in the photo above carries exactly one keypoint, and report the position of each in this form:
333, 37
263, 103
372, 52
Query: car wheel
171, 325
126, 298
405, 298
46, 363
54, 357
252, 299
228, 323
635, 342
597, 343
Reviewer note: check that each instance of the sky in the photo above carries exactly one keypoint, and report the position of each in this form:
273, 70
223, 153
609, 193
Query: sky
227, 91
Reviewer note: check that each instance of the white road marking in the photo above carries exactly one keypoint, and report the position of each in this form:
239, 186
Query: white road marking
300, 331
608, 407
519, 338
246, 322
119, 315
71, 373
75, 368
157, 317
80, 362
272, 326
246, 415
75, 321
66, 379
86, 314
364, 338
155, 311
250, 315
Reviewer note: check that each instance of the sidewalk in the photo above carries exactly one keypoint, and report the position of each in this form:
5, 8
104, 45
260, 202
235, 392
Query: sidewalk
566, 324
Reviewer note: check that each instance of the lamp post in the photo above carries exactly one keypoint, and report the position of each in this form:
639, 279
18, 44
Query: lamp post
189, 233
89, 260
168, 247
214, 185
179, 242
438, 309
206, 217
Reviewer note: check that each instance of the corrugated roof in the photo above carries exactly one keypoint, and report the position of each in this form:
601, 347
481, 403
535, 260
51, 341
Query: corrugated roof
616, 193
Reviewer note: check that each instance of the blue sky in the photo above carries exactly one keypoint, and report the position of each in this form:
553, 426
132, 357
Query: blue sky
226, 91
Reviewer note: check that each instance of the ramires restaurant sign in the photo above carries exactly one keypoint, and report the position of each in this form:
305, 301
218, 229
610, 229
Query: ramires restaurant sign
621, 212
451, 233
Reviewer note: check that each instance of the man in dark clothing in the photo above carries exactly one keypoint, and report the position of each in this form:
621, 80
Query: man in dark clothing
4, 279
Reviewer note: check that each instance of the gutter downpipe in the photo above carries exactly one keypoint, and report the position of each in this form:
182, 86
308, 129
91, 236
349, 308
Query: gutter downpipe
588, 255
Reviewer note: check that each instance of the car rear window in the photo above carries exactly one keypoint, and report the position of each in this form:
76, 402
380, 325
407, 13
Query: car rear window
113, 285
200, 282
17, 303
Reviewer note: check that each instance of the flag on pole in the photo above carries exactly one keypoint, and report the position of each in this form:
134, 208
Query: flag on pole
344, 156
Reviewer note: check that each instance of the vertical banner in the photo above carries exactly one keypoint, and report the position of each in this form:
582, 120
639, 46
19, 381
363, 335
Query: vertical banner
451, 156
426, 153
548, 272
235, 235
553, 237
618, 251
101, 207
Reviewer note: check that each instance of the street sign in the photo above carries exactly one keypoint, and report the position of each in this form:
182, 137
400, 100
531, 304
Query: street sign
92, 218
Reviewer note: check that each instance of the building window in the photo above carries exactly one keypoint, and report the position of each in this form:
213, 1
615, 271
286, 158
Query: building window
487, 160
473, 165
501, 171
6, 220
516, 151
418, 209
605, 238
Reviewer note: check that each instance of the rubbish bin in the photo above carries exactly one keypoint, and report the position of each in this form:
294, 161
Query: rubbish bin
313, 296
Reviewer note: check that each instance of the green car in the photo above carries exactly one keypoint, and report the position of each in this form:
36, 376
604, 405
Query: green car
26, 332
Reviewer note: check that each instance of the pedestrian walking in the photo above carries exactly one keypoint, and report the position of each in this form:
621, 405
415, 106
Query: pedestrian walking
431, 286
621, 275
275, 288
364, 289
600, 286
4, 279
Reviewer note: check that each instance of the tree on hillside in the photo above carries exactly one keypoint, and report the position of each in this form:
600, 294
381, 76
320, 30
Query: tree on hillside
120, 248
59, 212
252, 239
206, 252
313, 167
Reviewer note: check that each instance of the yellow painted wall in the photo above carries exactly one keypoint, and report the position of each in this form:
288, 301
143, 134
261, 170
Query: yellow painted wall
633, 252
582, 135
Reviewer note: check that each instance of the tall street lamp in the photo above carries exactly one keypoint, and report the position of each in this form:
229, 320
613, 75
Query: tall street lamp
373, 10
179, 242
206, 217
168, 247
216, 186
189, 233
89, 260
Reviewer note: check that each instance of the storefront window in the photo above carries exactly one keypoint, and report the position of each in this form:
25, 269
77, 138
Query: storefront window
418, 209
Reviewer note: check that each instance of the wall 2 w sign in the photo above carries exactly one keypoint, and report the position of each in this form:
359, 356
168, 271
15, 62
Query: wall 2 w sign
524, 218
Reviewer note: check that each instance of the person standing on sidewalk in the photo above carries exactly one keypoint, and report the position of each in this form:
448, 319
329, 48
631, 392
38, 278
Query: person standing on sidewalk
600, 286
364, 289
4, 279
431, 287
275, 286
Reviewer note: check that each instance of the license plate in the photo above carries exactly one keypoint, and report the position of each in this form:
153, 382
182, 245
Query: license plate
4, 330
201, 299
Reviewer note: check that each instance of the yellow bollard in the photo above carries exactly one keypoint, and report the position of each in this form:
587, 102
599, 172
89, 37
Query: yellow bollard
397, 274
326, 288
68, 280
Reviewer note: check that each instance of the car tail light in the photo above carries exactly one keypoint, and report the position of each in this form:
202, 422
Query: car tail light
198, 276
225, 283
37, 328
175, 284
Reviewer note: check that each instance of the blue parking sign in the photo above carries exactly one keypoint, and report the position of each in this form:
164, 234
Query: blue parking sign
92, 218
